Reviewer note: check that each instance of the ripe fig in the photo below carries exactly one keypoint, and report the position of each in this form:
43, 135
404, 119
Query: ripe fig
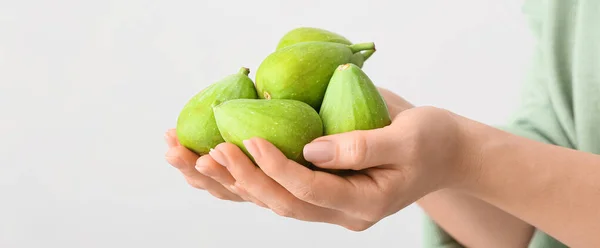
352, 102
302, 71
304, 34
287, 124
196, 126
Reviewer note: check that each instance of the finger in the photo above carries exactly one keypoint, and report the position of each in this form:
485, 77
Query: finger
216, 189
207, 166
184, 160
171, 138
219, 191
247, 196
355, 150
263, 188
279, 199
315, 187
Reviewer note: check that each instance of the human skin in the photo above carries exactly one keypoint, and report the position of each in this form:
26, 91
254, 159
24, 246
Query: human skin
457, 169
472, 222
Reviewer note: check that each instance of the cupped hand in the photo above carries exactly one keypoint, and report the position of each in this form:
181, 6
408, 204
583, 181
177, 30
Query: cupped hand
390, 167
203, 172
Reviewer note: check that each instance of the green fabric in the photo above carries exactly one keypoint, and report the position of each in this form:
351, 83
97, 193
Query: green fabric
561, 96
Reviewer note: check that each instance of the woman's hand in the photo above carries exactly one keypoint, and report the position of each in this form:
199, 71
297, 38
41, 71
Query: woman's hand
378, 172
206, 174
390, 168
201, 172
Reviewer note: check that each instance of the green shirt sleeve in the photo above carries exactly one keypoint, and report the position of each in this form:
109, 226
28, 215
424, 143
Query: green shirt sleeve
436, 237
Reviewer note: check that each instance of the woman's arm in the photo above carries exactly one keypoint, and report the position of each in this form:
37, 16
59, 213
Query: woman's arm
555, 189
473, 222
469, 221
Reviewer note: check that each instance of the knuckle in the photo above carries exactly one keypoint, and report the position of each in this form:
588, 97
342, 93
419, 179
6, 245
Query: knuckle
266, 166
356, 150
306, 193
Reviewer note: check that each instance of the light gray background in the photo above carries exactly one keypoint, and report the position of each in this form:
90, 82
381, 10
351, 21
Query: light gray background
87, 89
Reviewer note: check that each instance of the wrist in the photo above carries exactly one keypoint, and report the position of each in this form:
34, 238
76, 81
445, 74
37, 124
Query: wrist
467, 167
486, 162
454, 162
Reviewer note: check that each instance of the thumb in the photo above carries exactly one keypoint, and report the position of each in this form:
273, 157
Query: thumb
355, 150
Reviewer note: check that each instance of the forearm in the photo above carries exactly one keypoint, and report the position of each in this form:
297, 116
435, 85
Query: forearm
475, 223
555, 189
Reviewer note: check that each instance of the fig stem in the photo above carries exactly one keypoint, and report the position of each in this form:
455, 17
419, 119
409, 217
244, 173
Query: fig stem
358, 47
367, 54
244, 71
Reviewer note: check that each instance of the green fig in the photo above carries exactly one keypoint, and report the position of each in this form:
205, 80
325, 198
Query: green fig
352, 102
287, 124
302, 71
304, 34
196, 126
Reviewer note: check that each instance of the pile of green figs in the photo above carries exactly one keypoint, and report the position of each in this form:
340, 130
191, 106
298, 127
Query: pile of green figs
312, 85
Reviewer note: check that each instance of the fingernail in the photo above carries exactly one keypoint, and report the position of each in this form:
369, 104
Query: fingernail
234, 189
202, 163
252, 148
319, 152
200, 166
218, 156
202, 170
